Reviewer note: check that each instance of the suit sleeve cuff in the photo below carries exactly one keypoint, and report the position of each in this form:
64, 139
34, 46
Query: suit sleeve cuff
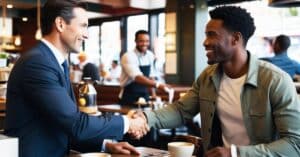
126, 124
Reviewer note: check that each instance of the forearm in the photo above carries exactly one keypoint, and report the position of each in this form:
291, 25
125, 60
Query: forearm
168, 117
282, 147
145, 81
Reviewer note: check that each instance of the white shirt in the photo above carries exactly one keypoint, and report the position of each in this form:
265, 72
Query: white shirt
58, 55
130, 63
115, 73
230, 112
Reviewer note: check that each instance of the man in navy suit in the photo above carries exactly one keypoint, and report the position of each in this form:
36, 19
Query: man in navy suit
41, 109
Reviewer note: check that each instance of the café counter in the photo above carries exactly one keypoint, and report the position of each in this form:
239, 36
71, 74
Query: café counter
109, 94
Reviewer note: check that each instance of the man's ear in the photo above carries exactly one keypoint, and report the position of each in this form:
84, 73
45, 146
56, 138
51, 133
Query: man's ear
59, 24
237, 38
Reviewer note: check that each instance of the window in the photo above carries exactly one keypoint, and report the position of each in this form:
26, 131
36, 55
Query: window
91, 47
110, 42
159, 49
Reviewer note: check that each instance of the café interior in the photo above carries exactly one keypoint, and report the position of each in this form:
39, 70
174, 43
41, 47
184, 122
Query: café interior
176, 29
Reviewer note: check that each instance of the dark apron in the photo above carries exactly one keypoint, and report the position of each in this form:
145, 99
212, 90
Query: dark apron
133, 91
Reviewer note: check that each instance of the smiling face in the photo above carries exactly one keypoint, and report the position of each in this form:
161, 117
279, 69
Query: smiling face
218, 42
75, 32
142, 42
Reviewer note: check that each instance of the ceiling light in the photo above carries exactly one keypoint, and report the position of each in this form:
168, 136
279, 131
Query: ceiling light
9, 6
24, 19
284, 3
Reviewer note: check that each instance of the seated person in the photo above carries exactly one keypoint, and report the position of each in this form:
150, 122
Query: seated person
114, 72
281, 59
88, 69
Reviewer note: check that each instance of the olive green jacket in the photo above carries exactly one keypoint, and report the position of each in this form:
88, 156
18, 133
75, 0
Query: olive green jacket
270, 108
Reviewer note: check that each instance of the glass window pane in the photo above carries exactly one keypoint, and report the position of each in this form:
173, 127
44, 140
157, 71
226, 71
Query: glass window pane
159, 45
91, 47
159, 49
134, 24
110, 42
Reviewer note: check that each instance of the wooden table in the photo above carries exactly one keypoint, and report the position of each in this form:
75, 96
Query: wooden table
109, 94
122, 109
115, 108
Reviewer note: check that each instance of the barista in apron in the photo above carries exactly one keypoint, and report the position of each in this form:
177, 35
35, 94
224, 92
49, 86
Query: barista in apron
136, 71
134, 90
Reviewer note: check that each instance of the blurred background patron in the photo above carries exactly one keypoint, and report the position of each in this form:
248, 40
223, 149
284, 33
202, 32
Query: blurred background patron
88, 69
281, 58
114, 72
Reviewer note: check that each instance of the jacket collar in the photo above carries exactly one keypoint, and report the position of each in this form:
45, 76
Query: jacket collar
252, 75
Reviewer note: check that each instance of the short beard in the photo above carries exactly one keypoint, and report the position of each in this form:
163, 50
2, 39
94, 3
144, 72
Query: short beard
140, 50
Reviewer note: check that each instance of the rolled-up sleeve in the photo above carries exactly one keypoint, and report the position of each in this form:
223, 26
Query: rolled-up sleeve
130, 65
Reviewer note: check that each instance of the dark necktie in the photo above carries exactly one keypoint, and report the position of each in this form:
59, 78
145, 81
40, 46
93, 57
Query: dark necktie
66, 72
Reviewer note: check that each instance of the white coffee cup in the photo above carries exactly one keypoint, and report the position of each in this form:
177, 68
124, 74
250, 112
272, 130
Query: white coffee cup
95, 155
181, 149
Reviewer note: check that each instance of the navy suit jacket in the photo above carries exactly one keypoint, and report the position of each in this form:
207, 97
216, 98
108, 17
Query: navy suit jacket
40, 112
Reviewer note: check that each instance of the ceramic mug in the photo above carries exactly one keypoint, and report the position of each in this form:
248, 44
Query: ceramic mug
181, 149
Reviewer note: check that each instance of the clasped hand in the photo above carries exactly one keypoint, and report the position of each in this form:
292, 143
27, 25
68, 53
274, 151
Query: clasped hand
138, 126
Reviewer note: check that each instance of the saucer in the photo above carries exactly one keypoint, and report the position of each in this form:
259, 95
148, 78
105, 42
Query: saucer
95, 155
98, 113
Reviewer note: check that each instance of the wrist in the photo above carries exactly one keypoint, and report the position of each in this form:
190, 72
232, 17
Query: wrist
106, 145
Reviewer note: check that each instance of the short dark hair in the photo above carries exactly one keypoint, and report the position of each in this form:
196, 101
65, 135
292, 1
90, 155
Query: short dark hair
235, 19
283, 42
54, 8
115, 62
140, 32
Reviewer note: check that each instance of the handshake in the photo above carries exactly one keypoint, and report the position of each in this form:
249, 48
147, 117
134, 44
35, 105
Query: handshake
138, 126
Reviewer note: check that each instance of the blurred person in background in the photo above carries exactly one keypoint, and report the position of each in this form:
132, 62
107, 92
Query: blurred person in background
88, 69
281, 59
114, 72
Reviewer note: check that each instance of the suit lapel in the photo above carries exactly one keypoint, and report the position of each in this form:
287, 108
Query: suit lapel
45, 49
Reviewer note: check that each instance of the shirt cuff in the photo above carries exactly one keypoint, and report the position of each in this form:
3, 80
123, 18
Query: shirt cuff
233, 150
126, 124
103, 148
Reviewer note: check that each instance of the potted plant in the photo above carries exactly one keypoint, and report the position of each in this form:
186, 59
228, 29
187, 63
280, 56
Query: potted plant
3, 59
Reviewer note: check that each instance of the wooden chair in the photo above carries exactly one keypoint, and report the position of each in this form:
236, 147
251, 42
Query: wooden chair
197, 141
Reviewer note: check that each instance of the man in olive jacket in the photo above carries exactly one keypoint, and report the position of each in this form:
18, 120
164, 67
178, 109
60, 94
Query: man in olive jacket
248, 107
